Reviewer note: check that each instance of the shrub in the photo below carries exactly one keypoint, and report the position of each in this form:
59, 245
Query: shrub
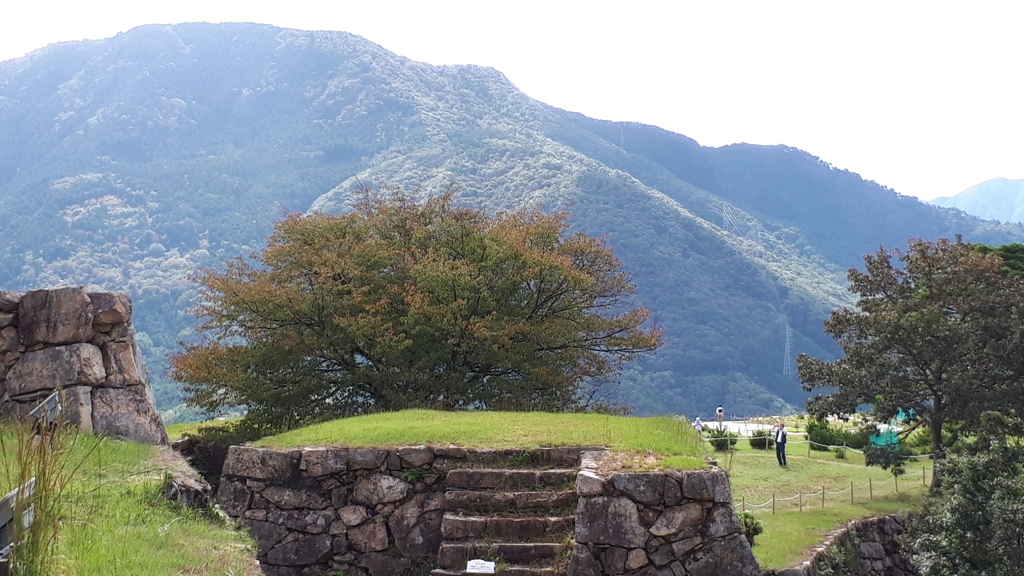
751, 525
761, 440
824, 436
722, 440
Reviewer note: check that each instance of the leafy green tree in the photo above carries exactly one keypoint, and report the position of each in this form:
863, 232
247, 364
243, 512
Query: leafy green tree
974, 524
936, 338
399, 304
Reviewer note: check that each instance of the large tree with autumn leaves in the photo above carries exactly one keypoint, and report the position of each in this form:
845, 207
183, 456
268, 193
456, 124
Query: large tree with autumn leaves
403, 304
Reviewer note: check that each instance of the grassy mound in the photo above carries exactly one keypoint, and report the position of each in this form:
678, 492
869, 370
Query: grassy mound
674, 443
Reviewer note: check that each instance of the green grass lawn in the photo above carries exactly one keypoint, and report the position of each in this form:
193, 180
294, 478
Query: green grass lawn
117, 522
789, 532
673, 440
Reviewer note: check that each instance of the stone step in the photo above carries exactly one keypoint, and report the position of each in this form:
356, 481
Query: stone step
523, 502
454, 555
510, 570
509, 479
459, 527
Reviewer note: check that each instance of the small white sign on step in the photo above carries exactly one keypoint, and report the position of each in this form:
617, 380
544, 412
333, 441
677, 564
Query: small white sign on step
480, 566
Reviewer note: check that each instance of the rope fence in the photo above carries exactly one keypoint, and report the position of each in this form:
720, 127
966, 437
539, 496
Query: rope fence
865, 492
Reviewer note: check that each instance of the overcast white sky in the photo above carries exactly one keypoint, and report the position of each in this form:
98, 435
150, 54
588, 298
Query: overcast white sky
924, 97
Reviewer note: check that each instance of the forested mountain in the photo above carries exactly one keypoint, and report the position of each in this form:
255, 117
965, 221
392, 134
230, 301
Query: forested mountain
997, 199
129, 162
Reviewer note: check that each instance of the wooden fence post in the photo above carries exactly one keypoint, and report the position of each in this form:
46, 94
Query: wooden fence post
773, 502
896, 480
800, 500
744, 501
871, 491
851, 492
923, 477
822, 495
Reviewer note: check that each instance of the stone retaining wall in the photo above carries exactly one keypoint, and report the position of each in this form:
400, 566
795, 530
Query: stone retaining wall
865, 547
665, 523
82, 345
378, 512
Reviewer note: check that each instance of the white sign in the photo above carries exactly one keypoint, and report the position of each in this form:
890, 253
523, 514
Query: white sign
480, 566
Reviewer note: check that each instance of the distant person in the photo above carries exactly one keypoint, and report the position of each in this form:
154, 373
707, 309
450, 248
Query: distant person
698, 425
719, 413
780, 443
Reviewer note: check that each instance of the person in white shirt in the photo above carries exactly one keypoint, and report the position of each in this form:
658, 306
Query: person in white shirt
720, 413
698, 425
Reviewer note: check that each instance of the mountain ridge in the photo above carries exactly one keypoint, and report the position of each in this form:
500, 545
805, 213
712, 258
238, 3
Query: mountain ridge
133, 161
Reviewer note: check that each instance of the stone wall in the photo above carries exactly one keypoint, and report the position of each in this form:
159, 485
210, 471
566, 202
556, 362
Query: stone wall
865, 547
379, 512
665, 523
82, 345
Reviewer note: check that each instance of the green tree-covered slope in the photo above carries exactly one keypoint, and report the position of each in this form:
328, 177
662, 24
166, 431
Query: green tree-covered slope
128, 163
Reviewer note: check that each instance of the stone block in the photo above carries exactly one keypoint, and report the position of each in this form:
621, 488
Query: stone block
375, 489
415, 456
310, 521
267, 534
369, 537
353, 515
646, 487
60, 316
9, 339
589, 484
302, 550
55, 368
128, 413
366, 458
110, 308
322, 461
613, 521
416, 525
260, 463
119, 365
292, 498
7, 319
685, 519
9, 301
76, 404
233, 497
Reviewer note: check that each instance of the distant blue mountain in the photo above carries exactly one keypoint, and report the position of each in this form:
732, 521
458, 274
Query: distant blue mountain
997, 199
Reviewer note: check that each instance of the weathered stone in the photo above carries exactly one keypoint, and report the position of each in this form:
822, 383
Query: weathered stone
681, 547
119, 365
687, 519
311, 521
9, 339
9, 301
369, 537
376, 489
394, 463
128, 413
301, 551
872, 550
593, 525
7, 320
76, 406
233, 497
416, 525
339, 497
289, 498
187, 490
267, 534
706, 486
338, 527
320, 461
366, 458
353, 515
57, 367
110, 307
415, 456
452, 451
260, 463
722, 521
583, 563
645, 488
614, 560
662, 555
383, 565
636, 558
723, 556
61, 316
672, 494
258, 514
589, 484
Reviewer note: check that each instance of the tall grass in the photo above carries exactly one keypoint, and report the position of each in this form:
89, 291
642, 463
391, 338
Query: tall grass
50, 460
112, 517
